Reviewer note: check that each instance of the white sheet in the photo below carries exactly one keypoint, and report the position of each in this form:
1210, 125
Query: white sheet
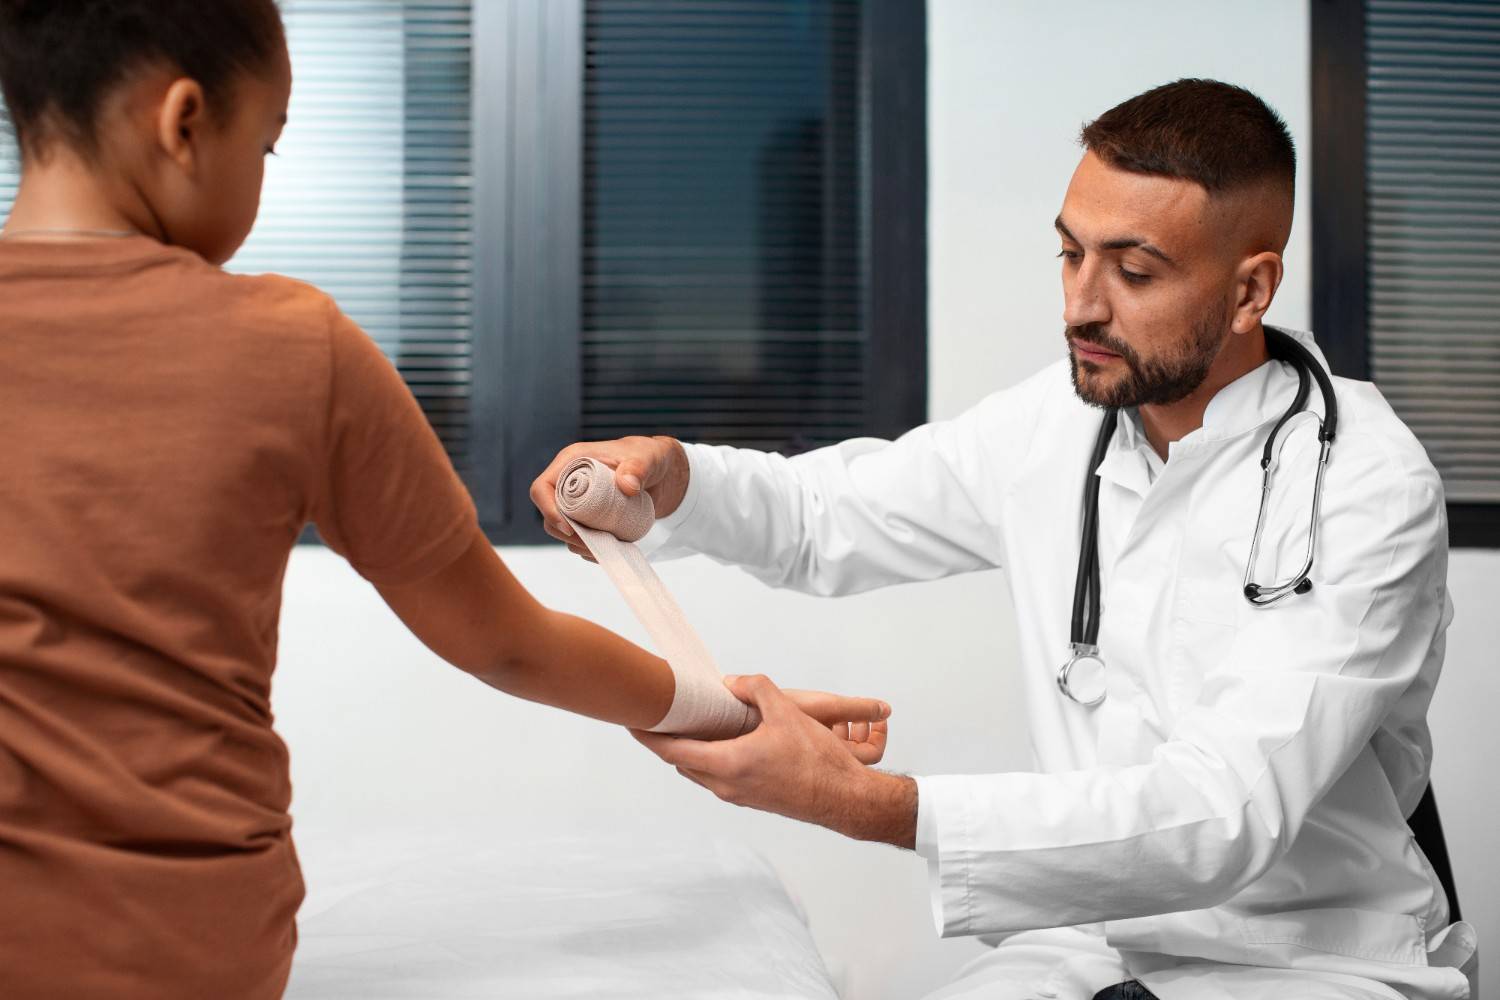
441, 919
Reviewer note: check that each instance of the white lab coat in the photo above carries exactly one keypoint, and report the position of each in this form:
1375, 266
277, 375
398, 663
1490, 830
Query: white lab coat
1238, 799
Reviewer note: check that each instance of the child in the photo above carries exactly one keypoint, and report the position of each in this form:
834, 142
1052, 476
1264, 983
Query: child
166, 431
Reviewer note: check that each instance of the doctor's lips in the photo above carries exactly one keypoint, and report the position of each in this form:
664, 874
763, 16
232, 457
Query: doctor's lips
1091, 353
1090, 350
1091, 343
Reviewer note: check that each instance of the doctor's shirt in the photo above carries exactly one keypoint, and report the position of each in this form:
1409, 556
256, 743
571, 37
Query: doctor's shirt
1239, 797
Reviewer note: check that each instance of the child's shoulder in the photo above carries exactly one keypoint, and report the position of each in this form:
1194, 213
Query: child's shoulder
254, 316
265, 309
277, 296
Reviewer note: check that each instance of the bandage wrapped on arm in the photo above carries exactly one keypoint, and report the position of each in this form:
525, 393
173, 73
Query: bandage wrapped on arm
610, 523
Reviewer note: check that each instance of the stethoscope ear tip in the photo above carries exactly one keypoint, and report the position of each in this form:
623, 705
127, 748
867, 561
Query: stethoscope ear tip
1252, 591
1304, 586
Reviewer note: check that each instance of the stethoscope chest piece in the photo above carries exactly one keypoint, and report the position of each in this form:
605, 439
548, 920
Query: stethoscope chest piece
1082, 677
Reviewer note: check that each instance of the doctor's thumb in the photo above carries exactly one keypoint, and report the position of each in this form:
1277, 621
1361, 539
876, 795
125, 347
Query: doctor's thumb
630, 476
759, 691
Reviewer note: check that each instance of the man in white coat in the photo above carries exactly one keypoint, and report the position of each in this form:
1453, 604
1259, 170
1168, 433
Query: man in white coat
1229, 820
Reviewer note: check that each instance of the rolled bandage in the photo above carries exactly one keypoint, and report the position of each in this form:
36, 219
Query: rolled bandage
610, 523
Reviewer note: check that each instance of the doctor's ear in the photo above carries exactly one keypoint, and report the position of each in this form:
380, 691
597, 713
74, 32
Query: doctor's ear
183, 116
1256, 281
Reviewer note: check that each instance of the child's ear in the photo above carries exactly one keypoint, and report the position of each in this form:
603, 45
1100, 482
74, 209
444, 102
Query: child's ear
181, 120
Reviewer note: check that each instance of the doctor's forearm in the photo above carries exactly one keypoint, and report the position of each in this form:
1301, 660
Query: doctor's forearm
882, 808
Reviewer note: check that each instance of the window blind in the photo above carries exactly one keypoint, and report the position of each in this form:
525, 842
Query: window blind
371, 195
723, 271
10, 171
1433, 159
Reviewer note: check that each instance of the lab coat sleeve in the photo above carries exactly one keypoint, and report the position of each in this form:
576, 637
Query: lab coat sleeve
1284, 712
858, 515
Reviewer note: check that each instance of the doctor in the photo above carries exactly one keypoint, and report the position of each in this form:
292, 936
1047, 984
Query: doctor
1229, 820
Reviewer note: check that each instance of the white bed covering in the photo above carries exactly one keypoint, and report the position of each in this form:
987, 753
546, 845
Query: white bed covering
440, 918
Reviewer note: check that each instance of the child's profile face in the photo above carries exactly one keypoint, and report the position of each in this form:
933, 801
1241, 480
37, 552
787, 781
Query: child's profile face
214, 213
164, 160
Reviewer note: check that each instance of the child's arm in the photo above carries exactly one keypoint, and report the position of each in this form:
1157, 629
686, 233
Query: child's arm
475, 615
387, 498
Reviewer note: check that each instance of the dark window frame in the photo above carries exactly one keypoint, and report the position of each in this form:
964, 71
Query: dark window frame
1340, 261
528, 167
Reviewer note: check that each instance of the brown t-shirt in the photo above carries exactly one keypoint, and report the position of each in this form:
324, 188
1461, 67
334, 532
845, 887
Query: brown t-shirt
166, 431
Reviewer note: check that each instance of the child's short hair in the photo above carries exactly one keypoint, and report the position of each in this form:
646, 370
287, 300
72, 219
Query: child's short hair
59, 59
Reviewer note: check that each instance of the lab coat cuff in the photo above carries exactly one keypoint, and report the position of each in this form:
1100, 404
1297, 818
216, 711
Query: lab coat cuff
927, 849
944, 829
667, 534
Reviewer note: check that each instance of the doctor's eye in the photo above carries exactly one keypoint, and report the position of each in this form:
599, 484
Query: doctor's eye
1073, 255
1134, 277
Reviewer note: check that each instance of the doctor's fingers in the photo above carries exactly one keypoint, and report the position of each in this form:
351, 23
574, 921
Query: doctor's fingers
643, 465
868, 749
572, 541
773, 703
544, 495
574, 544
544, 487
835, 709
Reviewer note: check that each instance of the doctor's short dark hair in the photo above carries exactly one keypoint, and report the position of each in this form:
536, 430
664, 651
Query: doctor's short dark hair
1221, 136
60, 59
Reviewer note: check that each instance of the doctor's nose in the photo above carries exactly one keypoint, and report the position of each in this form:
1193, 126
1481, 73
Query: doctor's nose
1082, 303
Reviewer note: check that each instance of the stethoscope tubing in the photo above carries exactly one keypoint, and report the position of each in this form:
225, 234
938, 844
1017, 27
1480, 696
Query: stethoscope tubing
1083, 635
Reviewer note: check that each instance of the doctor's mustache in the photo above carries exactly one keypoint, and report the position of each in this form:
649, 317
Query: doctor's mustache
1093, 333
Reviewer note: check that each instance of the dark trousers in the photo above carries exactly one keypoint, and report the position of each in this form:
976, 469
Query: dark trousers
1125, 991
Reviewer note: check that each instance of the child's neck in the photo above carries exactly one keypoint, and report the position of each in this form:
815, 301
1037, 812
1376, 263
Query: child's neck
64, 194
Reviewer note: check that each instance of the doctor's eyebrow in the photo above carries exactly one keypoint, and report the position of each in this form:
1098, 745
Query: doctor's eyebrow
1119, 243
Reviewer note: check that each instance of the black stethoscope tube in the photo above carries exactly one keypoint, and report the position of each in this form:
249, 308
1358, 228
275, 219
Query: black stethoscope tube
1086, 589
1083, 633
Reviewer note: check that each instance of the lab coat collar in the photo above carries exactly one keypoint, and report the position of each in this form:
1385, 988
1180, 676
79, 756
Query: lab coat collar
1248, 403
1132, 432
1256, 398
1244, 405
1127, 463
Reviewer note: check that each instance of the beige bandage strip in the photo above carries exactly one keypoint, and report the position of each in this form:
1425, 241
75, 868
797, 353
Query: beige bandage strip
610, 523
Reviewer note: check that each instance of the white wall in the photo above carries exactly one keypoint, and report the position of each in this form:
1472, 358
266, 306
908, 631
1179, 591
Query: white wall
383, 736
1011, 85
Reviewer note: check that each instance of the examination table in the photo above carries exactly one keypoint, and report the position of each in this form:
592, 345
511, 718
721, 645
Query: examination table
435, 918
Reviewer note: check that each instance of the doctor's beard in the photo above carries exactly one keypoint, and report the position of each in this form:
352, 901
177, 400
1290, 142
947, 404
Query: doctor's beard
1150, 381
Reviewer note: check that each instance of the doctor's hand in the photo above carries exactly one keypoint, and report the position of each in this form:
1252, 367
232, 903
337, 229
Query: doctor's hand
859, 724
797, 766
657, 465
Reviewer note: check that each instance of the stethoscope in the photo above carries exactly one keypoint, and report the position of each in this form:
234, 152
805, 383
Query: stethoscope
1082, 677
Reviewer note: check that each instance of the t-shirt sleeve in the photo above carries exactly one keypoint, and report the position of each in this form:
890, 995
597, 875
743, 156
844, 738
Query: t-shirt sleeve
389, 499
